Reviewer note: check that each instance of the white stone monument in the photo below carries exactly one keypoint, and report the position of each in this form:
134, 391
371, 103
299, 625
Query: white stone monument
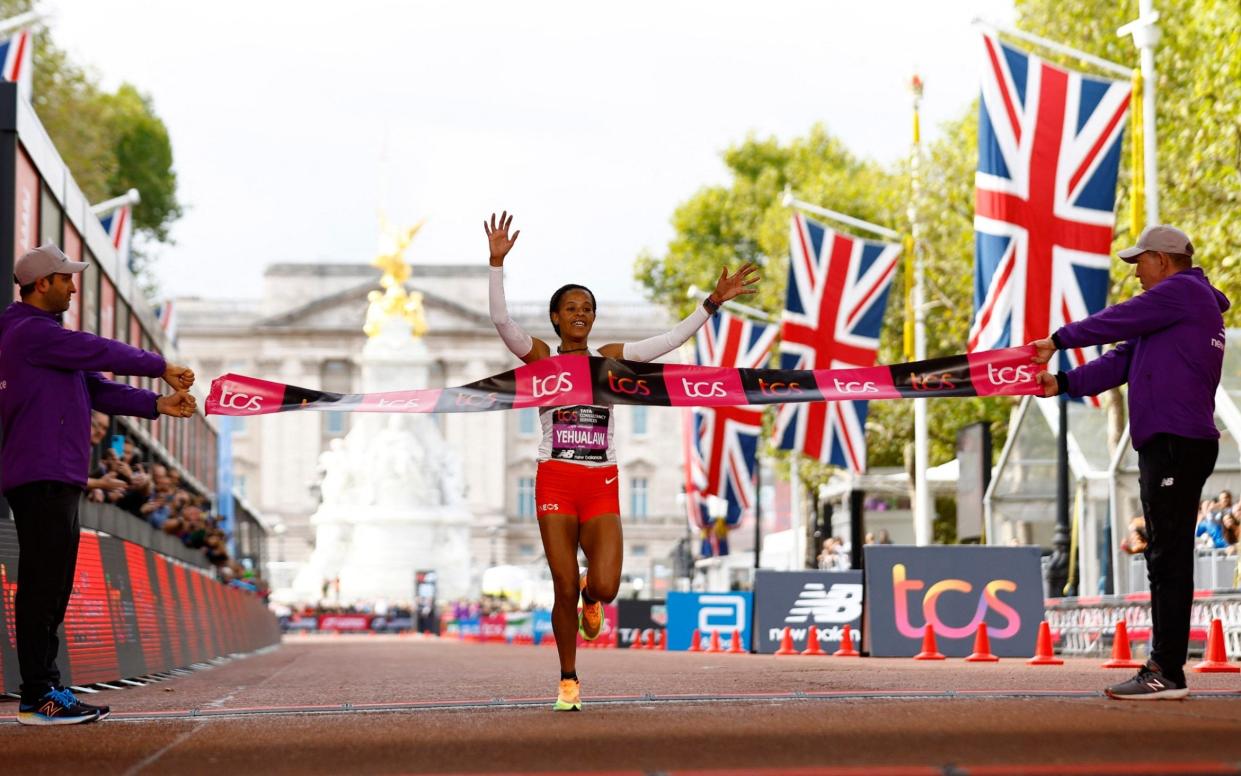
392, 490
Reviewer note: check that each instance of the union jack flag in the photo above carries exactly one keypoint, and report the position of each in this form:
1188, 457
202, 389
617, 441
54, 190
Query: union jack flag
15, 56
1049, 143
726, 438
837, 293
120, 228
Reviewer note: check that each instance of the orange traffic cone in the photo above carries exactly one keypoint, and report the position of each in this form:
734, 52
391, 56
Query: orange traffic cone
715, 642
812, 642
929, 649
663, 640
695, 644
1043, 654
1121, 657
846, 645
786, 643
650, 639
1216, 660
982, 647
734, 646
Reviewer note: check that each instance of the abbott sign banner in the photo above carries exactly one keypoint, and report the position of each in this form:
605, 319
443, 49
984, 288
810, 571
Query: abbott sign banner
953, 589
800, 600
707, 612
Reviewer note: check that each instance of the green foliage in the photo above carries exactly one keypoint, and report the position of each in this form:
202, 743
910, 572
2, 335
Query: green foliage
111, 142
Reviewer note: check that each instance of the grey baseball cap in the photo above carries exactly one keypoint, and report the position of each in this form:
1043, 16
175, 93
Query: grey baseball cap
1165, 239
45, 260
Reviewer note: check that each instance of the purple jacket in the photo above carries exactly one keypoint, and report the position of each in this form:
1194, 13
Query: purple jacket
1171, 354
49, 382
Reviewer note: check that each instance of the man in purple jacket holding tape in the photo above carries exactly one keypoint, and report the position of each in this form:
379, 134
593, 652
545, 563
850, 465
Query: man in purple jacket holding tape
49, 383
1171, 353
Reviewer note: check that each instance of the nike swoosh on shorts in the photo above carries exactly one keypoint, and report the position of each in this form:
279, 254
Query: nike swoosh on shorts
609, 482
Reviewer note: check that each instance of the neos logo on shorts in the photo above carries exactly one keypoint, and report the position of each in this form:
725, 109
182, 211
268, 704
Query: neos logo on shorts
561, 382
240, 401
722, 613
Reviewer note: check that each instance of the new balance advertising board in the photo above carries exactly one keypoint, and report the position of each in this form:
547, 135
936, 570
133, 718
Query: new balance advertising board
707, 612
953, 589
801, 600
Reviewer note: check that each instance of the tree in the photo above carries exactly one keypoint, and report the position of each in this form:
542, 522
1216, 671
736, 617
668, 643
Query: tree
111, 142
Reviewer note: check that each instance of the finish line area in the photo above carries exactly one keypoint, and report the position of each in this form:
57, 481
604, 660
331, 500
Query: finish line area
407, 704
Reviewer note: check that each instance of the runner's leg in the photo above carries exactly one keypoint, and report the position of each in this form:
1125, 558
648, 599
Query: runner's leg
560, 538
603, 543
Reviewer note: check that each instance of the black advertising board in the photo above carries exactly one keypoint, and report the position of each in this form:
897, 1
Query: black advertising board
635, 619
799, 600
133, 612
954, 589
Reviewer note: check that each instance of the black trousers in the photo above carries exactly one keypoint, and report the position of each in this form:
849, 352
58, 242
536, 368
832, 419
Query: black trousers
46, 514
1172, 471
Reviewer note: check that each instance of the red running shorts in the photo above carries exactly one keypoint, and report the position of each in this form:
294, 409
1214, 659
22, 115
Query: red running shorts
562, 488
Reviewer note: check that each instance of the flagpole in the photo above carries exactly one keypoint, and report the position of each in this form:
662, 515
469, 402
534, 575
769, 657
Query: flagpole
922, 495
1099, 62
1145, 32
791, 201
21, 20
131, 197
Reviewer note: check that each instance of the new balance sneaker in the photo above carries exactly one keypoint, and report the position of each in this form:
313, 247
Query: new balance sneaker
57, 707
1149, 684
590, 618
103, 711
569, 698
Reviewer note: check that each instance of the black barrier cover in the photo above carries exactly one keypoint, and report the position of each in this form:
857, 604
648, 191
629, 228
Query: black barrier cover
799, 600
954, 589
637, 618
134, 612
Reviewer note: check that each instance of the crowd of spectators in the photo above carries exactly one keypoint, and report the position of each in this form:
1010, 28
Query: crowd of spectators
155, 493
1218, 524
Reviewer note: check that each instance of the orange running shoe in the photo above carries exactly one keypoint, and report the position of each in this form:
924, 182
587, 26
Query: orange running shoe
569, 698
590, 618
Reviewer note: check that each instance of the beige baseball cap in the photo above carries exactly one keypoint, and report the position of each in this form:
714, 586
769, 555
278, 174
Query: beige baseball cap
1165, 239
45, 260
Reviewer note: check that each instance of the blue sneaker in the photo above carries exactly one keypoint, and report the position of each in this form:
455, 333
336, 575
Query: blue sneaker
57, 707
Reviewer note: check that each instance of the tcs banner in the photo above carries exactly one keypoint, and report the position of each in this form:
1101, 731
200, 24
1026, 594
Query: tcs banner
801, 600
707, 612
952, 589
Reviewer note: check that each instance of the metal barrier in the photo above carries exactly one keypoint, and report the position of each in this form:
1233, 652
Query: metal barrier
1086, 626
1213, 570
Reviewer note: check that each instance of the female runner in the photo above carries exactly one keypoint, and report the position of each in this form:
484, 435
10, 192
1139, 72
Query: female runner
576, 493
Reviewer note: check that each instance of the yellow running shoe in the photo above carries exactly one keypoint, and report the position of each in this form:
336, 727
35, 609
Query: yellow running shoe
590, 618
569, 698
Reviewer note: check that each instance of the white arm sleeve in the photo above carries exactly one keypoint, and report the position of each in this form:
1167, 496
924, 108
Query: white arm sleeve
654, 347
519, 342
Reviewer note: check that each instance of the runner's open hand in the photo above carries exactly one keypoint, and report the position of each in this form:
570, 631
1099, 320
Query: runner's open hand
732, 286
497, 237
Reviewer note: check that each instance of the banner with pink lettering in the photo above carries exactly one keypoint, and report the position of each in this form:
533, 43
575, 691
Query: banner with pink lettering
576, 380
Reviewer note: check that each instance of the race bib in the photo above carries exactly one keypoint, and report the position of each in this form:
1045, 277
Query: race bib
580, 433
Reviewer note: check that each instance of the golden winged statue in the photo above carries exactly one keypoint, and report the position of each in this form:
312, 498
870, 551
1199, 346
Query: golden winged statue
395, 299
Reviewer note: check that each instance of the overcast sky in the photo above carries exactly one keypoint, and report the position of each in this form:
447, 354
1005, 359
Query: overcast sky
293, 123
